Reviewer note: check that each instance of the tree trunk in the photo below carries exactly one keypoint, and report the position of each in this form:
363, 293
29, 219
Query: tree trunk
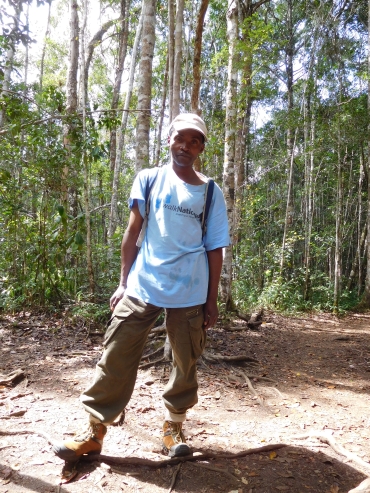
122, 51
161, 117
47, 32
229, 159
85, 160
196, 67
178, 58
71, 89
366, 296
289, 211
121, 139
94, 43
171, 54
145, 85
9, 59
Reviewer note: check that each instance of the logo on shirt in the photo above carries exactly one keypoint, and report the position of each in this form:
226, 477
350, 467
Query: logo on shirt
186, 211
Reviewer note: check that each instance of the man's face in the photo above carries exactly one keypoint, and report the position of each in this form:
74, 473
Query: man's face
185, 146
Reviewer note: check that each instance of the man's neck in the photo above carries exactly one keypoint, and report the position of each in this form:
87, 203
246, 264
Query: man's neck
187, 174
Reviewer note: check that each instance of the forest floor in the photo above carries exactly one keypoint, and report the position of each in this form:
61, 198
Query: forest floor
299, 422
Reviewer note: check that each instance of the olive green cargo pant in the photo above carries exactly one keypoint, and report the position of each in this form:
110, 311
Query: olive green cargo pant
124, 342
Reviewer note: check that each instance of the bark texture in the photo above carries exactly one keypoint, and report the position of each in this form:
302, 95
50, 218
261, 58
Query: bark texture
145, 85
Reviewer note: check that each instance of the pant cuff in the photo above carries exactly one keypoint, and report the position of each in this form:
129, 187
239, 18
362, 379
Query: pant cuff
175, 418
93, 419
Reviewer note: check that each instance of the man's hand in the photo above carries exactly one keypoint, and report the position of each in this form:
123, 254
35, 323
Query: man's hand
210, 311
117, 296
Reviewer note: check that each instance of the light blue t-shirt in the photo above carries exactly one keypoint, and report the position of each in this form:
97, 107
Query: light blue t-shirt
171, 268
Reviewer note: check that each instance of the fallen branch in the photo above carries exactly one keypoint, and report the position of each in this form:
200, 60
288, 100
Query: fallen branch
230, 359
8, 379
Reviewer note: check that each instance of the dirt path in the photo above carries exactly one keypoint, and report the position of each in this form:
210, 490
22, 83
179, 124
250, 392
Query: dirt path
314, 381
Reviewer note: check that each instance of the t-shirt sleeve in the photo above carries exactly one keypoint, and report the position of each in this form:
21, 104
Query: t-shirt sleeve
217, 234
138, 191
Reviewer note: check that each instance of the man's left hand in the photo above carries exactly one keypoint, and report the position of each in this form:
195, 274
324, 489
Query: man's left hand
210, 314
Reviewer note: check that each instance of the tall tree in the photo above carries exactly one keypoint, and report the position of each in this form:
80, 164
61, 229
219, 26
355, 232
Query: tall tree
145, 85
178, 61
228, 185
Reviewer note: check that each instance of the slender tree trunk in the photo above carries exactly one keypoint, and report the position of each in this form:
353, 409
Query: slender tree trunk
366, 296
229, 159
171, 54
196, 66
71, 89
47, 32
289, 54
122, 51
85, 160
121, 140
9, 59
161, 117
178, 58
145, 85
96, 41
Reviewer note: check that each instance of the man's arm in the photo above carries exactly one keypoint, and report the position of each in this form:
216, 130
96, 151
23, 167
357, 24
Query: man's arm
128, 252
210, 308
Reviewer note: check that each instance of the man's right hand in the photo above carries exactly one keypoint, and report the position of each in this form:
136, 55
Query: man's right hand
117, 296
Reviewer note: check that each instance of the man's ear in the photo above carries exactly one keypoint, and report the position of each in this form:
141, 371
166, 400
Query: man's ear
202, 149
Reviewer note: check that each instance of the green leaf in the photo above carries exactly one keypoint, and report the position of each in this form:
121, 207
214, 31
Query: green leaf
79, 239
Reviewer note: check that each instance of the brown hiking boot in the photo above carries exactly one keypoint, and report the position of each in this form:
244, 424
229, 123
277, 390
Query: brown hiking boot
173, 440
88, 442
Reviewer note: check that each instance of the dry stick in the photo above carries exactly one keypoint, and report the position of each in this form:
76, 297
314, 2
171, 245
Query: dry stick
263, 379
138, 461
217, 469
251, 388
218, 357
152, 363
150, 355
6, 379
26, 432
174, 477
339, 449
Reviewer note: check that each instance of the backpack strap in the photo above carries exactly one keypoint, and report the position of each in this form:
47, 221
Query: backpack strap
210, 185
148, 188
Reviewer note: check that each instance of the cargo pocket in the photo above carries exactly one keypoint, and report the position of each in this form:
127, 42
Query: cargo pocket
197, 335
121, 312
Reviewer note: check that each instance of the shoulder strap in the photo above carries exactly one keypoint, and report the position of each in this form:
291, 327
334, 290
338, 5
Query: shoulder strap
148, 188
207, 204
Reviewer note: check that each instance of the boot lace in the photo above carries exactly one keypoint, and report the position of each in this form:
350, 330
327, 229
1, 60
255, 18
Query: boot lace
176, 432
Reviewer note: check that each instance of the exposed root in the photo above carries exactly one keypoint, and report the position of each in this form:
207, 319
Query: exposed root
174, 477
339, 449
217, 469
154, 464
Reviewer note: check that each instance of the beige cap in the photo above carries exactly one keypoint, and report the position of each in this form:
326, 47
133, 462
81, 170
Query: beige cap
185, 121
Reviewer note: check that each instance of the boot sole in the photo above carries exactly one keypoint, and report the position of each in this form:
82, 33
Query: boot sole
180, 450
69, 455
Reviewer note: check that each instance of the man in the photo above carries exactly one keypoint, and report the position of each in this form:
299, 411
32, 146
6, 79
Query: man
176, 269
